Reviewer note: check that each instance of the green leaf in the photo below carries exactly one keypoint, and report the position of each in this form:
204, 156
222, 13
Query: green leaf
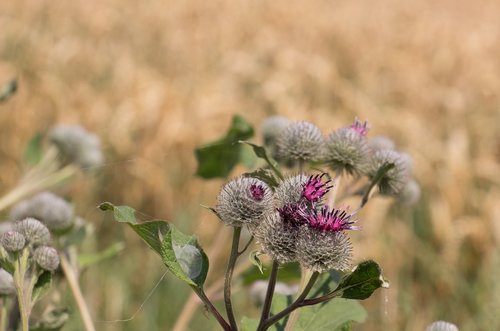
218, 158
85, 260
264, 175
332, 315
8, 90
379, 175
33, 153
289, 272
5, 261
152, 232
261, 152
124, 214
362, 281
42, 285
184, 257
254, 258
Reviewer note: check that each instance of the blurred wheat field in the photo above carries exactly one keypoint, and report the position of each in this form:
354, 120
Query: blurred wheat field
155, 79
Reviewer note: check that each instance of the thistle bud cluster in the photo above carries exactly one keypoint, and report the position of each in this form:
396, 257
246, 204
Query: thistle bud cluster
29, 236
346, 150
291, 223
301, 229
77, 145
55, 212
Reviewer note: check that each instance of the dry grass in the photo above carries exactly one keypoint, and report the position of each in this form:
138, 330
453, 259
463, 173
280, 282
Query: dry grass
154, 79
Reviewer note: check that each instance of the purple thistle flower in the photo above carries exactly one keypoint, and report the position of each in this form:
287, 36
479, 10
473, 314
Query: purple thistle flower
360, 128
334, 220
293, 214
257, 192
315, 189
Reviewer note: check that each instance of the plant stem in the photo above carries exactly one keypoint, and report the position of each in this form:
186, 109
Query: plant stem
246, 246
301, 166
193, 301
212, 309
294, 316
3, 314
20, 268
229, 275
71, 277
266, 307
28, 188
296, 304
333, 192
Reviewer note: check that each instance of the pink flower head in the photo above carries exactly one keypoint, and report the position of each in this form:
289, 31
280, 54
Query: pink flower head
293, 214
315, 189
257, 192
360, 128
334, 220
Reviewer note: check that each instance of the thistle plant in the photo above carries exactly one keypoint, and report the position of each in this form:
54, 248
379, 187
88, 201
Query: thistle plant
296, 218
39, 243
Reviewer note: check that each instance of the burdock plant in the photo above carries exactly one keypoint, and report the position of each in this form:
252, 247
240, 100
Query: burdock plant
295, 218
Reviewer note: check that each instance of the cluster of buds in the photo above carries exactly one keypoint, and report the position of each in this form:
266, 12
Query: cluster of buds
346, 150
31, 237
77, 145
291, 224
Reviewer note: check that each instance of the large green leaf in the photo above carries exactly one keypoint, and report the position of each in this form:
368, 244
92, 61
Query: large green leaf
362, 281
152, 232
181, 253
218, 158
184, 257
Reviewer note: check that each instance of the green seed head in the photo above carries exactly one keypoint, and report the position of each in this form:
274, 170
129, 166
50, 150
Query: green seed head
12, 241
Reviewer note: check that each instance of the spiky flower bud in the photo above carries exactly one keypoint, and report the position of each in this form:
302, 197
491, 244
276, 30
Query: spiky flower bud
322, 251
55, 212
47, 258
301, 141
346, 149
380, 142
7, 286
243, 201
290, 190
322, 244
442, 326
77, 145
277, 237
271, 129
315, 189
12, 241
395, 178
34, 231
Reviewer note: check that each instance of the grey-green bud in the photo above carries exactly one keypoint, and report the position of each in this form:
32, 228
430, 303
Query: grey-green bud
243, 201
394, 179
442, 326
34, 231
321, 251
12, 241
47, 258
300, 141
52, 210
346, 151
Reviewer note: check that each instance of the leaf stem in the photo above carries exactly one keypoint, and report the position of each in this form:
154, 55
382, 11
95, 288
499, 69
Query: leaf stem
229, 275
246, 246
296, 304
269, 295
3, 314
71, 277
203, 297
